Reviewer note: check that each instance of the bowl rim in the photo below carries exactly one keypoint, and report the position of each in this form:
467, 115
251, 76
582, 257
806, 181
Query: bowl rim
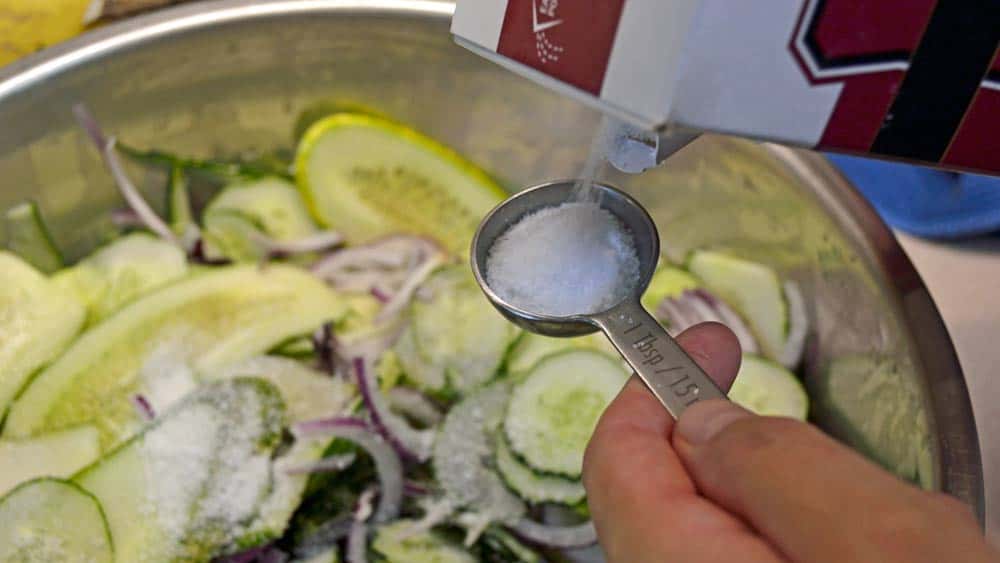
960, 471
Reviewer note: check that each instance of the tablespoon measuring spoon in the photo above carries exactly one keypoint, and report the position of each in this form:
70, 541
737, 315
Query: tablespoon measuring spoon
669, 373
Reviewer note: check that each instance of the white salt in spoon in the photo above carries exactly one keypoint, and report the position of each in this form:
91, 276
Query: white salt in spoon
657, 359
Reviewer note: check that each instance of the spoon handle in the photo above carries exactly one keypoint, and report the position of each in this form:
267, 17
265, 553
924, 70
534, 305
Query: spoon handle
673, 377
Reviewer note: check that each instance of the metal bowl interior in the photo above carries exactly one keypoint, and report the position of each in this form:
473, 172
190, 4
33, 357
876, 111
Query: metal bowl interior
230, 78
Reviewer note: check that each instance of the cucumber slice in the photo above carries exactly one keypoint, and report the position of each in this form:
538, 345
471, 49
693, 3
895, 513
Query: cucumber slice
368, 177
208, 320
462, 451
396, 543
426, 376
296, 347
769, 389
553, 412
185, 488
308, 393
269, 206
532, 486
455, 327
38, 320
667, 281
48, 520
753, 289
231, 235
875, 405
179, 211
532, 348
125, 269
59, 454
29, 238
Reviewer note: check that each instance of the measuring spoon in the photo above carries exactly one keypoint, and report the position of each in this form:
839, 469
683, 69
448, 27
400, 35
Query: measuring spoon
671, 375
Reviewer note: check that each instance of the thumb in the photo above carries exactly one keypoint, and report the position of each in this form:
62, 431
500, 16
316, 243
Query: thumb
811, 497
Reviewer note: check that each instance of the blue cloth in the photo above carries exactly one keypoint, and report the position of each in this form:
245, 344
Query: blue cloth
923, 201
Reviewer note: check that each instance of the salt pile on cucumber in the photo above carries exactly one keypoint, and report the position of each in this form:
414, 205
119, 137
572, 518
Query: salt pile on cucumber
299, 367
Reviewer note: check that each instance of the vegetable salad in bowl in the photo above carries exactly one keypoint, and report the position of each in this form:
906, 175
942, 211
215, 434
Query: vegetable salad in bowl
293, 362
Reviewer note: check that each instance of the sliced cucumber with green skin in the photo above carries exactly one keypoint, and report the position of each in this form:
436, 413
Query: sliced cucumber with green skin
753, 289
272, 206
49, 520
532, 348
230, 234
462, 452
420, 372
308, 393
874, 404
59, 454
667, 281
186, 488
532, 486
296, 347
766, 388
367, 177
553, 412
38, 320
396, 543
29, 238
207, 321
127, 268
456, 328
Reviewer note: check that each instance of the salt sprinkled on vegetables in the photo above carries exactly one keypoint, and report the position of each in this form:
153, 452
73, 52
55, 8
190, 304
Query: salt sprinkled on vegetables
570, 259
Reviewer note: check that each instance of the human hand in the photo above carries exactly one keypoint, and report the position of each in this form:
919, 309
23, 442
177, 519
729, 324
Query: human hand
725, 485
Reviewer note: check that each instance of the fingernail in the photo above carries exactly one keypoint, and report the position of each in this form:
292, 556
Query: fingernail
703, 421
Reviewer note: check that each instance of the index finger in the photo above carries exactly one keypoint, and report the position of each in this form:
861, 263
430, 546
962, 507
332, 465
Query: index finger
642, 500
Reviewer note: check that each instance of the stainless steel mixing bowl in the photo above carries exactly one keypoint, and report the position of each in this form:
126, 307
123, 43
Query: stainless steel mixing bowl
230, 77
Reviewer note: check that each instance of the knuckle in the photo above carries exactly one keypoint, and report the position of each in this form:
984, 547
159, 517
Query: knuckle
757, 436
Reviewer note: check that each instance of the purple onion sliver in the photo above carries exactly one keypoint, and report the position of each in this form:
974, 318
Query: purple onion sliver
143, 407
563, 537
414, 489
134, 199
272, 555
357, 543
325, 425
378, 418
323, 341
703, 308
89, 124
379, 294
245, 556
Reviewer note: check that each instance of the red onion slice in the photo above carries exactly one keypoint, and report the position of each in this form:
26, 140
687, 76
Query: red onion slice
357, 538
387, 465
143, 407
326, 465
699, 306
317, 242
380, 294
798, 326
562, 537
135, 201
409, 442
410, 285
328, 426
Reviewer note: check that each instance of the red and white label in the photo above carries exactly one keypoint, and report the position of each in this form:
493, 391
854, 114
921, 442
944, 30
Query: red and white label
570, 41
